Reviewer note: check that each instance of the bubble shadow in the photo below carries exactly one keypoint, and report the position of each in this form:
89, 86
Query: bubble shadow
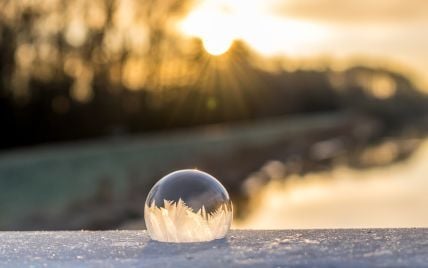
156, 249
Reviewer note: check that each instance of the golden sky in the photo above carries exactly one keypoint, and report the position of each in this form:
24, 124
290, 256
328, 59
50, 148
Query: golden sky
386, 33
362, 11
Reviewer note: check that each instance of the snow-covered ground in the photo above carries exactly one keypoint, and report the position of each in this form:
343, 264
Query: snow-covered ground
281, 248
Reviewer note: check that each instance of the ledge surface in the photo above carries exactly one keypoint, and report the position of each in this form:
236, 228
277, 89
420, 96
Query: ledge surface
279, 248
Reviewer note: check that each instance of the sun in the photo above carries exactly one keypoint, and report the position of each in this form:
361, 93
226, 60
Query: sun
218, 23
215, 29
216, 46
214, 23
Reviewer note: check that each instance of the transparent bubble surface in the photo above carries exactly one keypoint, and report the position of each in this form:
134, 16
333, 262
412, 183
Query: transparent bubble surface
188, 206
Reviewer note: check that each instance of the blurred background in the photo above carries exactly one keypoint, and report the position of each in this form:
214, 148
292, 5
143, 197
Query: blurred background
313, 114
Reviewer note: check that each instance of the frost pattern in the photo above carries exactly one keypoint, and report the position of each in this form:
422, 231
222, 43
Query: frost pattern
176, 222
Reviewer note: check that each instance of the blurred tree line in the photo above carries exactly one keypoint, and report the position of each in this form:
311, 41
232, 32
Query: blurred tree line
80, 69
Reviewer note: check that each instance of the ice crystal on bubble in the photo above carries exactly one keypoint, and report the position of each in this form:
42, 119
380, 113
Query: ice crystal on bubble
188, 206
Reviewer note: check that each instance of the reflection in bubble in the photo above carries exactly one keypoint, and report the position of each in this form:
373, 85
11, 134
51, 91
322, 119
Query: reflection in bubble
188, 206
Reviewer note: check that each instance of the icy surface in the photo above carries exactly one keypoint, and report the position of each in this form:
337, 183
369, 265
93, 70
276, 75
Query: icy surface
289, 248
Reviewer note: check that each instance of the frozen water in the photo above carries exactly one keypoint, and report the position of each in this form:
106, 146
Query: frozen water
188, 206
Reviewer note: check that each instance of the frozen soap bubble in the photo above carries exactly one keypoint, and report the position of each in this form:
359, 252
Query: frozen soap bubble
188, 206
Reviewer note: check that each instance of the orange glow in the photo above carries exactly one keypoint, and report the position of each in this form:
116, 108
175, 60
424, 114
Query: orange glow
389, 196
310, 30
212, 22
219, 22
